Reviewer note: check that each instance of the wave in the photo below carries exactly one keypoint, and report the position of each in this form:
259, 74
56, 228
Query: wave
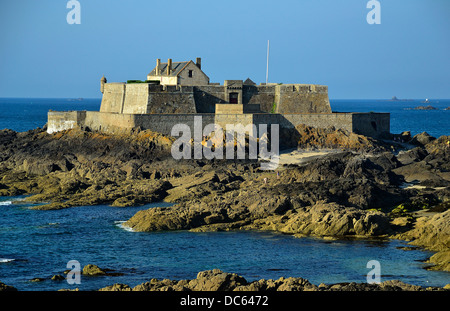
6, 260
120, 224
5, 203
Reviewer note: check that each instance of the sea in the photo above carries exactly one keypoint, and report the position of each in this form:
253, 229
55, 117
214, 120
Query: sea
36, 245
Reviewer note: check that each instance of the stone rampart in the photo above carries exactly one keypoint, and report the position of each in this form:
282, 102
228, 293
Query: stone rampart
136, 98
113, 97
109, 122
369, 124
262, 95
143, 98
64, 120
147, 98
171, 99
301, 98
163, 123
206, 97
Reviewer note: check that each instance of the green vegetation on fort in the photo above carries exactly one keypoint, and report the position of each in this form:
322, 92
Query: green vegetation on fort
274, 107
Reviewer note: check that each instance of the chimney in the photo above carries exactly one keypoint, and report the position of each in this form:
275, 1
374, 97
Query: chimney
169, 66
198, 62
158, 63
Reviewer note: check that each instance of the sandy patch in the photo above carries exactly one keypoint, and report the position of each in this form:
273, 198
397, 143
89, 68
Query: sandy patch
303, 156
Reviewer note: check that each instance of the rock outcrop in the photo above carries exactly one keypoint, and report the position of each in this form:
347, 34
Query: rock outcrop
432, 232
428, 164
429, 107
328, 220
74, 167
307, 137
7, 288
217, 280
94, 270
422, 139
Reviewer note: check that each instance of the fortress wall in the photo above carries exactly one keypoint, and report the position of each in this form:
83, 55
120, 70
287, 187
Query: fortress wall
113, 97
252, 108
171, 99
163, 123
64, 120
234, 119
302, 98
259, 95
371, 124
136, 98
207, 96
109, 122
236, 108
229, 109
368, 124
289, 98
320, 120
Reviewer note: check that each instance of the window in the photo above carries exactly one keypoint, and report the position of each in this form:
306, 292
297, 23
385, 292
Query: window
190, 73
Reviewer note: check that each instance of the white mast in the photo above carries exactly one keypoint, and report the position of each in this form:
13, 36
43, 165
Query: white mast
267, 69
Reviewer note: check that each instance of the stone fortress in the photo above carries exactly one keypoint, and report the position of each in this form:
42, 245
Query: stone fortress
176, 92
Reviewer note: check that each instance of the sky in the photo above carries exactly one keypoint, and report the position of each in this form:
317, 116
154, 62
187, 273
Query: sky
325, 42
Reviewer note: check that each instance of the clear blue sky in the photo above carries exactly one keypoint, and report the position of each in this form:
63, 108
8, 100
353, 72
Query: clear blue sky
312, 41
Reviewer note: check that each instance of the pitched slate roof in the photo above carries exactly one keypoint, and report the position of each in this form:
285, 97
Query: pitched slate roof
249, 82
177, 67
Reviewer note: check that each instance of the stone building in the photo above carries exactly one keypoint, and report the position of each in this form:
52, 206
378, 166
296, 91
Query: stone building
179, 73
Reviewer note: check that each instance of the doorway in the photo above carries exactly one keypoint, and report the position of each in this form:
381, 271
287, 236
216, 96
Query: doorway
234, 98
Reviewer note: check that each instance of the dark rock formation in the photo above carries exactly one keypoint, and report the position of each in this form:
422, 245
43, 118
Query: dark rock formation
422, 139
217, 280
432, 231
429, 107
7, 288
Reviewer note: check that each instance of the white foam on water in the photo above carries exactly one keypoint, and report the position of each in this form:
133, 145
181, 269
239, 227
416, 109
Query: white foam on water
5, 203
120, 223
6, 260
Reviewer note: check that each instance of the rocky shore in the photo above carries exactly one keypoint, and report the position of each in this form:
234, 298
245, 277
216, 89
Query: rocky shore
217, 280
363, 188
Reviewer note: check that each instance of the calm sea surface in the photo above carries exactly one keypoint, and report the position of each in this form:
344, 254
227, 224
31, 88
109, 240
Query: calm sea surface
403, 118
38, 244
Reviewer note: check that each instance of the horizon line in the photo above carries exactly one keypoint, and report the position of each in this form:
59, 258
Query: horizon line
341, 98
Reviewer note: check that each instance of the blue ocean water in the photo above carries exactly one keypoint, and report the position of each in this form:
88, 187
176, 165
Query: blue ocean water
23, 114
403, 116
40, 243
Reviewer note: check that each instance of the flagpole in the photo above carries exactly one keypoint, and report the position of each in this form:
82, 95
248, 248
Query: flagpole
267, 69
